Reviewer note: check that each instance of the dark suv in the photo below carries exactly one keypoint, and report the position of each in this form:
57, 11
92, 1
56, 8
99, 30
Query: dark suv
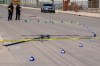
48, 8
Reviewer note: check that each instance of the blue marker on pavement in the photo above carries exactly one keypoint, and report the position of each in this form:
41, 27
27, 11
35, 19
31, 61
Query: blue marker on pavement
81, 45
62, 51
32, 58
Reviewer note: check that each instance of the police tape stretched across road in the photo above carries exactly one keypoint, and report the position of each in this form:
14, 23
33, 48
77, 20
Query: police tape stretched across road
42, 39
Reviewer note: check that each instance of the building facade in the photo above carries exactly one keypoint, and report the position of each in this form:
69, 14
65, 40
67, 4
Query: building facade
93, 4
99, 4
88, 3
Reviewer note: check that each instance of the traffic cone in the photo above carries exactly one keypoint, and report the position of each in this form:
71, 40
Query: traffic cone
81, 45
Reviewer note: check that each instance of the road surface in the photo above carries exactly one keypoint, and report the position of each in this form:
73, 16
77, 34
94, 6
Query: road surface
48, 53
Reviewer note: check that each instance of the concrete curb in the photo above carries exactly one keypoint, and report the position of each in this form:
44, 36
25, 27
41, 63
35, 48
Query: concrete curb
85, 14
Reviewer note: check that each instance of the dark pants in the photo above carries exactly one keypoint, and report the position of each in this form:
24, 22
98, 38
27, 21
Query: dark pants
10, 14
17, 16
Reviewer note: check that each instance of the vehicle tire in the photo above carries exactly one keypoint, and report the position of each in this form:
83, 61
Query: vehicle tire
50, 11
53, 11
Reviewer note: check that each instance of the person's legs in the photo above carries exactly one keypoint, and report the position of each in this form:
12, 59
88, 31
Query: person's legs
11, 14
8, 16
16, 16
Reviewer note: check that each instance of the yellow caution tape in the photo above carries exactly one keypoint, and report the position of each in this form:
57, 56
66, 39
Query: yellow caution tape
32, 39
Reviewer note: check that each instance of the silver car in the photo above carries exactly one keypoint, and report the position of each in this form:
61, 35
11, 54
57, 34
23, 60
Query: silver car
48, 8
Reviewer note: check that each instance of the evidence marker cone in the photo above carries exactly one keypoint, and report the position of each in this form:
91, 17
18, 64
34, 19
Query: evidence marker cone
38, 20
91, 40
45, 21
93, 31
71, 22
62, 51
25, 20
50, 21
81, 45
62, 21
32, 58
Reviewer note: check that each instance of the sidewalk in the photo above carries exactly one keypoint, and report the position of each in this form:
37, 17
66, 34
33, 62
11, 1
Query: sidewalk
87, 14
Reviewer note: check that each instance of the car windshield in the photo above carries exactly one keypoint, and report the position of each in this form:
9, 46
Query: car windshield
48, 4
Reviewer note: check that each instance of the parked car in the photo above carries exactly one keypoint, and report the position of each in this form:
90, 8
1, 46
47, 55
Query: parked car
48, 8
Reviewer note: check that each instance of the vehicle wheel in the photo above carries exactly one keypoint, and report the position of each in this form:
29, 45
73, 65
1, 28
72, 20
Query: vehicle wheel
53, 11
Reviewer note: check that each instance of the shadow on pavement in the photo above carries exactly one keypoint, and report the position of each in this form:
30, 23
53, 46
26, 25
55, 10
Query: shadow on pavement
15, 43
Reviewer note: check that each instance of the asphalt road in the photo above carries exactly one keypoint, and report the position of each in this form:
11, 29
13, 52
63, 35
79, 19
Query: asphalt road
48, 53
